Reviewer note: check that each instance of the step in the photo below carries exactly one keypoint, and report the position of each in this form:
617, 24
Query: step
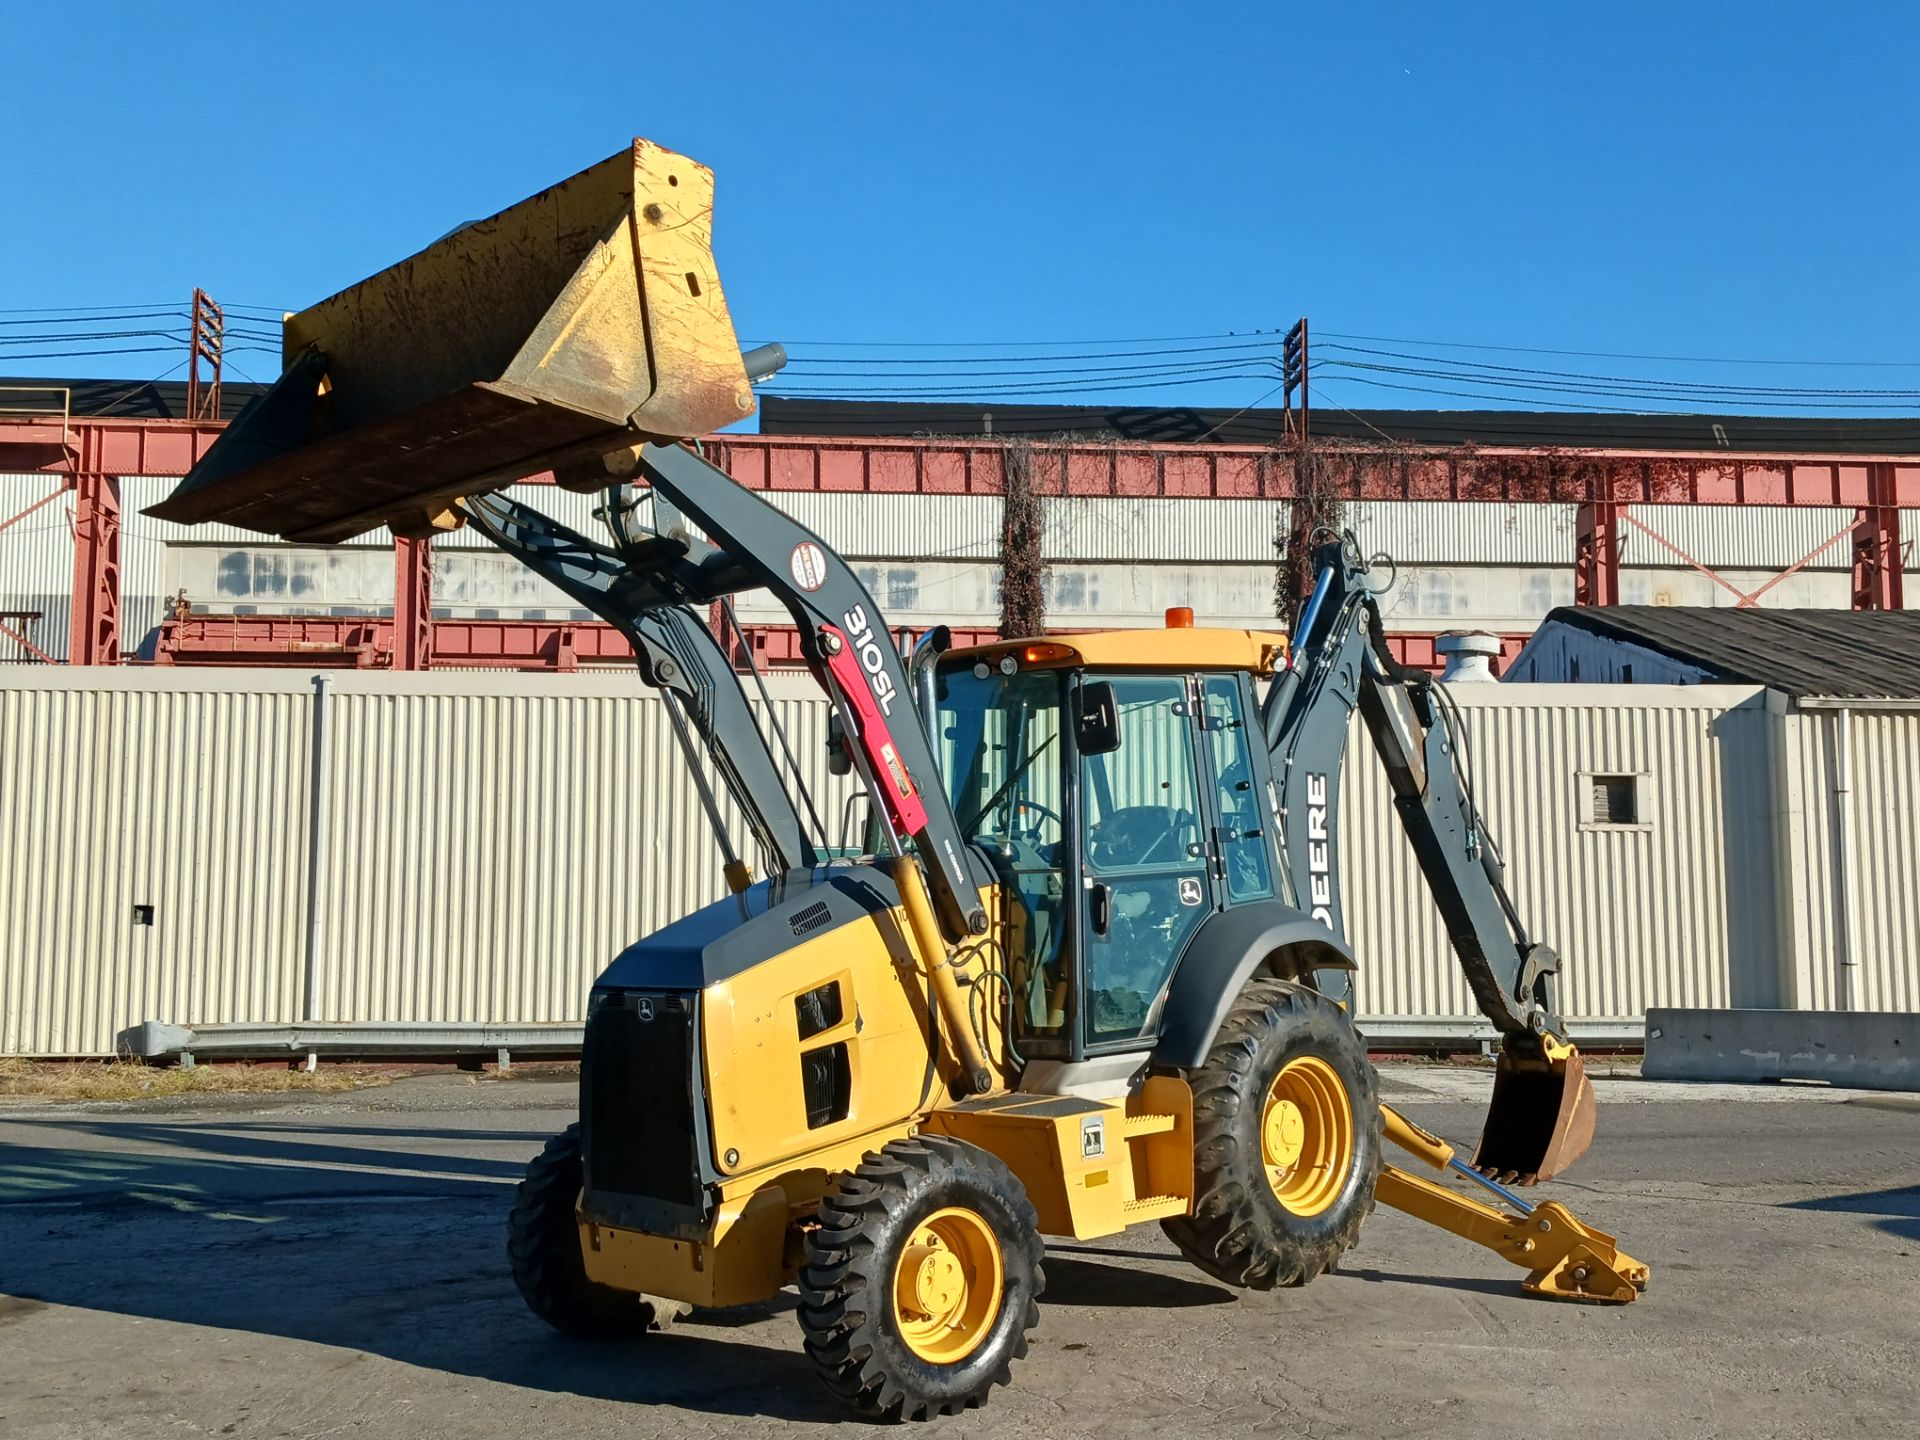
1152, 1207
1139, 1125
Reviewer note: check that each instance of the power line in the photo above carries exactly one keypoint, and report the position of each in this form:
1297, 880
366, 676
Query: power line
71, 309
1023, 344
1516, 399
1612, 354
1052, 387
1680, 394
77, 319
1504, 370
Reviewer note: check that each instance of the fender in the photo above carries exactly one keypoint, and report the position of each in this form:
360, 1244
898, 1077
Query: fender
1227, 949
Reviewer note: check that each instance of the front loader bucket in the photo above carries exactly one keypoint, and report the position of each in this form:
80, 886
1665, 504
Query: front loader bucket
555, 333
1540, 1121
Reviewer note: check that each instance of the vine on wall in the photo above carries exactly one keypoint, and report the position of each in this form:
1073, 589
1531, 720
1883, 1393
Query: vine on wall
1023, 558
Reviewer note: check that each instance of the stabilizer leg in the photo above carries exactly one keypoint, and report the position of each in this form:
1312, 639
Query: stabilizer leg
1565, 1258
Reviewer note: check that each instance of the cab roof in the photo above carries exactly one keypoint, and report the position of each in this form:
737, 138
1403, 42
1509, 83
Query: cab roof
1172, 648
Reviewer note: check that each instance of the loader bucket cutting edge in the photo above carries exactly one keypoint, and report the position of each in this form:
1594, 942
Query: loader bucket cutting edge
546, 337
1540, 1120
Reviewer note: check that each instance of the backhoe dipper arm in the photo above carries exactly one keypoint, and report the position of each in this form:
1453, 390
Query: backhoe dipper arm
1341, 663
677, 654
1541, 1117
845, 639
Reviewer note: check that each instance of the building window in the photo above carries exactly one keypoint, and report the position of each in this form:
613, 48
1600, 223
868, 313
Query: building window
1613, 800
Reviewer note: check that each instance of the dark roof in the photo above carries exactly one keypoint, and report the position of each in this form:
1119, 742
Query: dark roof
1854, 654
1769, 434
144, 399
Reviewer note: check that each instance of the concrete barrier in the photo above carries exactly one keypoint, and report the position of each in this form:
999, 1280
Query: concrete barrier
1868, 1049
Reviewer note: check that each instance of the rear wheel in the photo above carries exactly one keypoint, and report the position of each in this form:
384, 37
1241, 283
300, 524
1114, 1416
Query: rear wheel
921, 1280
1286, 1141
543, 1246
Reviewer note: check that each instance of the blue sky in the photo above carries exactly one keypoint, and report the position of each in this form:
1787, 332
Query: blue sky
1671, 179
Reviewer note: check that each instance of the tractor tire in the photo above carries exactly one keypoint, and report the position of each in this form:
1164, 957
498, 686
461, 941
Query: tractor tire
921, 1280
1286, 1142
543, 1247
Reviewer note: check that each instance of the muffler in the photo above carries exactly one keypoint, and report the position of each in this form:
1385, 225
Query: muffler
1541, 1118
566, 327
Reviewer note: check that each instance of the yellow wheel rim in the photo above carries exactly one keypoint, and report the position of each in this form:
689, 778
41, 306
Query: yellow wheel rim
947, 1286
1306, 1136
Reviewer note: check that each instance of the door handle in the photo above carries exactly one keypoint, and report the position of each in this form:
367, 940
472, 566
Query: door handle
1100, 908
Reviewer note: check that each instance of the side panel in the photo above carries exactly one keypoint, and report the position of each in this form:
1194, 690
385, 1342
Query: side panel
1230, 947
826, 1042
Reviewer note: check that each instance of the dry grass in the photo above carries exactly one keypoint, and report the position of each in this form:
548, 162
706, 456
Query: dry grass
131, 1080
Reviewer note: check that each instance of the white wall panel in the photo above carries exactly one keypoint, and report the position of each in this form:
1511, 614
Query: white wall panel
1678, 912
492, 840
36, 564
187, 795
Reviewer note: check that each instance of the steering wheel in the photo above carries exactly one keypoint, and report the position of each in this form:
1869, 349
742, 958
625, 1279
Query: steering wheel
1023, 808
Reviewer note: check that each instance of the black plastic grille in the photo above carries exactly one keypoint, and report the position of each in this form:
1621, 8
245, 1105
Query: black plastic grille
637, 1099
805, 922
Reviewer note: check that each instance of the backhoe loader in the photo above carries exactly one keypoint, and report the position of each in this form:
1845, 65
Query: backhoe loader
1090, 971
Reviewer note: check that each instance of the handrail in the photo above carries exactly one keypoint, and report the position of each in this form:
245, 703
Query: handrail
22, 412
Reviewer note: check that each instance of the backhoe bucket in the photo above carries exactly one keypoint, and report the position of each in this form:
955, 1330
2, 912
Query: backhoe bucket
1540, 1121
559, 331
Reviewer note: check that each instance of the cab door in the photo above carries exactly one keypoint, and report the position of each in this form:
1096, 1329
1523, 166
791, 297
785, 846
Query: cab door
1146, 862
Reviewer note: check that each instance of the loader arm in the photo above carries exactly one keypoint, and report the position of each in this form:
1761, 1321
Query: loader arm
1542, 1115
849, 650
677, 654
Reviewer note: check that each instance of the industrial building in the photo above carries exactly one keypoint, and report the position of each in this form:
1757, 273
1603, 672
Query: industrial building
222, 821
1493, 519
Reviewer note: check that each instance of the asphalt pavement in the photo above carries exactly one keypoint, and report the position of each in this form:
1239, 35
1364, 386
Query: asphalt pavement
325, 1266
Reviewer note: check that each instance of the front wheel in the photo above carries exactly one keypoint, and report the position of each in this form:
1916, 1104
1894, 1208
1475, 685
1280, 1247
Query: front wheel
1286, 1141
543, 1247
921, 1280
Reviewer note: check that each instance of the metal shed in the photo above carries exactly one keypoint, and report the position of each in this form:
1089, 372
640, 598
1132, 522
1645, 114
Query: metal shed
1840, 787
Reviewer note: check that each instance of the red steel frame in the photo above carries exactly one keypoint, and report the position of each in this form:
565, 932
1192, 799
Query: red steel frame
90, 453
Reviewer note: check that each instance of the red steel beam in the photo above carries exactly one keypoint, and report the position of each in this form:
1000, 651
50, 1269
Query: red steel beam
412, 604
563, 645
131, 445
1596, 554
93, 634
916, 466
1879, 581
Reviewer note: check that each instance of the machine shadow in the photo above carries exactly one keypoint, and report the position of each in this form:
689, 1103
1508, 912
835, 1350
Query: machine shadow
1504, 1289
273, 1236
1895, 1211
1072, 1279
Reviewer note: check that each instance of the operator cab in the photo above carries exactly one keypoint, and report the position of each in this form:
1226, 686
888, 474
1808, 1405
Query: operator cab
1115, 782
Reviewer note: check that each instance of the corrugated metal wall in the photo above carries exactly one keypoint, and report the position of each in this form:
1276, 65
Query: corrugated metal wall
492, 845
1886, 858
116, 793
493, 839
36, 564
1886, 825
1676, 911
